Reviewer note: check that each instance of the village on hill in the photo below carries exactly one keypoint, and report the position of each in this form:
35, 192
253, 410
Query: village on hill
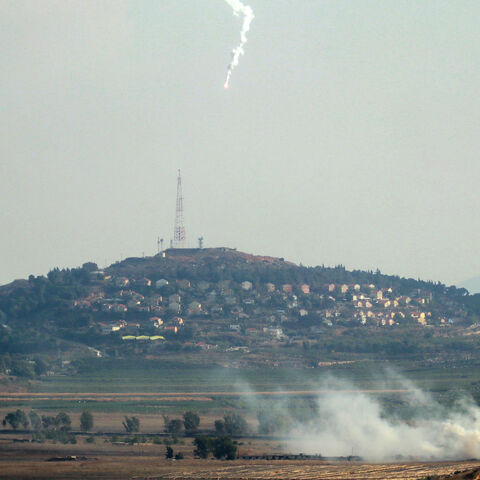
221, 301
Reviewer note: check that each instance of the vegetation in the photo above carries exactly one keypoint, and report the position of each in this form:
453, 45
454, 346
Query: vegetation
131, 424
221, 447
16, 419
86, 421
191, 422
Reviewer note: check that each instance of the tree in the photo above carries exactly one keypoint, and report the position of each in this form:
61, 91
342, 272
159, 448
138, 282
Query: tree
169, 453
63, 421
191, 421
203, 446
224, 447
220, 427
131, 424
86, 421
20, 368
235, 424
35, 420
90, 267
16, 419
179, 456
40, 367
174, 427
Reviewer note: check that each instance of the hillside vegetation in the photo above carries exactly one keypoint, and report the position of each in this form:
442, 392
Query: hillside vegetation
231, 308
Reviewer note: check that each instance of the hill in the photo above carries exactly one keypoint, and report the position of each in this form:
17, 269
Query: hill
472, 285
222, 306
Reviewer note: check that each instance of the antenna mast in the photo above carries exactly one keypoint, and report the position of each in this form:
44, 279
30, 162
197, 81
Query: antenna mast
179, 231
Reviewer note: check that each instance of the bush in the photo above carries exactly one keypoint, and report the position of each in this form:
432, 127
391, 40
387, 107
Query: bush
90, 440
179, 456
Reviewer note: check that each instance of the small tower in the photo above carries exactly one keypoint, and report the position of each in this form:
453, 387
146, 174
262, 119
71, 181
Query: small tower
200, 242
179, 231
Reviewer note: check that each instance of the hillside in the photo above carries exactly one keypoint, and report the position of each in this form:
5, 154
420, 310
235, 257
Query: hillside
223, 306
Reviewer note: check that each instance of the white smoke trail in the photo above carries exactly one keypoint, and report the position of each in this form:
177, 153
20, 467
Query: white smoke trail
247, 12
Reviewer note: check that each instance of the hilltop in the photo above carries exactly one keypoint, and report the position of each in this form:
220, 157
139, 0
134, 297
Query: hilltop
224, 306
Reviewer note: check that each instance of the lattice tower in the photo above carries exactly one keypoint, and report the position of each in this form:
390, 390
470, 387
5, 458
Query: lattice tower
179, 232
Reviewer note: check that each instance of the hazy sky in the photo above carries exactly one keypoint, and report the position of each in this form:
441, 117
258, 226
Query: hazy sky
350, 133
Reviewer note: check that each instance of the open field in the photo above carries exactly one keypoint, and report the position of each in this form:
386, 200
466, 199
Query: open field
104, 461
151, 376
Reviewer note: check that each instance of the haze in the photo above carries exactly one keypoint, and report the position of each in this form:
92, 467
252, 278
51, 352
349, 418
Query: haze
349, 133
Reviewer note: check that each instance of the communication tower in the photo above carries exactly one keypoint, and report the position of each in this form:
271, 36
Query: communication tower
179, 231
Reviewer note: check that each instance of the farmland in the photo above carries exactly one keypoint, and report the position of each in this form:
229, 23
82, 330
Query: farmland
149, 389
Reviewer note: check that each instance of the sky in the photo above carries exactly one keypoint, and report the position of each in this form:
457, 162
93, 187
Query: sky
349, 134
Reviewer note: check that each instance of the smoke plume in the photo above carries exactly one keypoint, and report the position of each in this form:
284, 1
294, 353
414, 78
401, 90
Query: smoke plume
343, 420
247, 12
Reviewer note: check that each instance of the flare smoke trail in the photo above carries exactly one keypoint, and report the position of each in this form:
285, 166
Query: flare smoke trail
247, 12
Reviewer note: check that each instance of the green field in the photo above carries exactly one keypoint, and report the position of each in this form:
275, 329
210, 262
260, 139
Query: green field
102, 376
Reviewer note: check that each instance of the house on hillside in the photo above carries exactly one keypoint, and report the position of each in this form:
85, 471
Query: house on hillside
270, 287
161, 283
174, 307
121, 281
194, 308
144, 282
156, 321
154, 301
246, 285
287, 288
305, 288
203, 285
175, 298
118, 308
183, 283
172, 329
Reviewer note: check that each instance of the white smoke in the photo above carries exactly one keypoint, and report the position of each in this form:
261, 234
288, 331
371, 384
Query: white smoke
356, 422
344, 420
247, 12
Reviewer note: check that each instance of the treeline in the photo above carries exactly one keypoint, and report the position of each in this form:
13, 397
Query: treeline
235, 268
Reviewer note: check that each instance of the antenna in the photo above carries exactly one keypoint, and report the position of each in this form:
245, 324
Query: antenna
179, 230
160, 244
200, 242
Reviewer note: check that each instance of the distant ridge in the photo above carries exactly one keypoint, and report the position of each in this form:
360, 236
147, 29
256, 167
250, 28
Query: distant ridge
472, 285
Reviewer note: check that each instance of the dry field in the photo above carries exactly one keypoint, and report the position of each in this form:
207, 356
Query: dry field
104, 461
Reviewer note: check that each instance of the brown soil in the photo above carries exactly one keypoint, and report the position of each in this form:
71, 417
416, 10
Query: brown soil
105, 461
